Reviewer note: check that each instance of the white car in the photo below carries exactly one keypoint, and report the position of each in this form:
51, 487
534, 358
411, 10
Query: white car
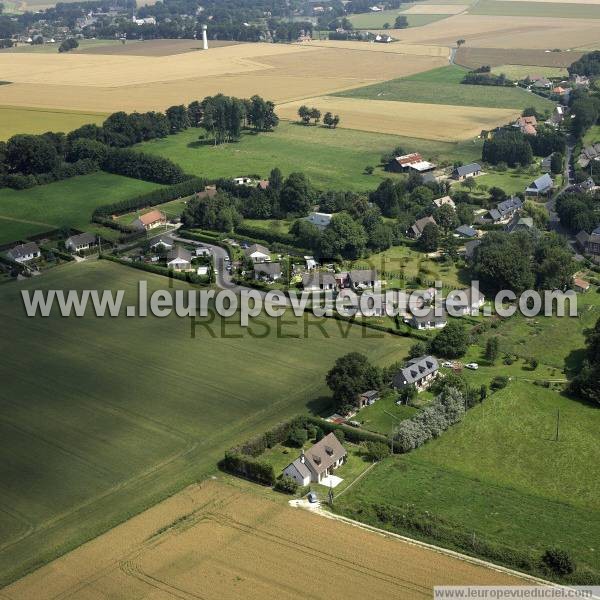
473, 366
448, 365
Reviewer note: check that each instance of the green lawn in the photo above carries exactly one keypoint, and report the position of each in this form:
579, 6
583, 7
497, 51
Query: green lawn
69, 202
332, 158
442, 86
383, 415
500, 477
536, 9
172, 209
516, 72
104, 417
15, 120
376, 20
592, 135
510, 181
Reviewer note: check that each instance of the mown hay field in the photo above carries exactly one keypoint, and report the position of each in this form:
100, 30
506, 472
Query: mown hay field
104, 417
443, 86
14, 119
430, 121
493, 57
220, 540
377, 20
558, 10
487, 31
516, 72
280, 72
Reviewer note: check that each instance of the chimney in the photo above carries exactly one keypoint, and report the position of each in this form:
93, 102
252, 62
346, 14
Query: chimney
204, 38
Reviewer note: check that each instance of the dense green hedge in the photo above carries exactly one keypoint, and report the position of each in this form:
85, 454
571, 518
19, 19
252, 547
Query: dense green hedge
159, 196
266, 235
352, 434
248, 467
148, 167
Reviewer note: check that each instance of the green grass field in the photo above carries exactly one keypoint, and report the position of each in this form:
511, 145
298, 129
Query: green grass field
442, 86
536, 9
64, 203
510, 181
15, 120
104, 417
592, 135
172, 209
516, 72
377, 20
332, 158
500, 476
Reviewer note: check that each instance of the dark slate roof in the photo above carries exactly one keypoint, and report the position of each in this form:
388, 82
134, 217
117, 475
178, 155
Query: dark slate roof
542, 183
270, 268
82, 238
324, 453
23, 250
179, 252
415, 370
466, 231
301, 468
467, 169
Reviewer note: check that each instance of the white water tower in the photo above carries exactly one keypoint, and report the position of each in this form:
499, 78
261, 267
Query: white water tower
204, 38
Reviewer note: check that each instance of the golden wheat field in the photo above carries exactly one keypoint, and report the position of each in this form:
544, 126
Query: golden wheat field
435, 9
430, 121
504, 32
280, 72
219, 541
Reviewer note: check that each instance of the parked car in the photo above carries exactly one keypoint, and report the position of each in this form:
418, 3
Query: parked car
312, 497
448, 364
473, 366
353, 423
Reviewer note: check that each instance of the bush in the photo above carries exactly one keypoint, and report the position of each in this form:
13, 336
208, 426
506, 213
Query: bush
340, 435
286, 484
256, 470
558, 562
499, 382
297, 437
377, 451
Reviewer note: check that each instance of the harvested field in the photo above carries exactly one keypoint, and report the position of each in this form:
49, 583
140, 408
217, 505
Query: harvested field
94, 82
154, 47
494, 57
536, 9
395, 48
521, 72
430, 121
505, 32
435, 9
223, 541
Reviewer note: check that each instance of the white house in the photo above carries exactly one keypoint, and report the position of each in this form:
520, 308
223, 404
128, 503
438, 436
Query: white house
179, 259
429, 321
258, 253
319, 219
24, 252
77, 243
317, 281
464, 302
318, 462
162, 242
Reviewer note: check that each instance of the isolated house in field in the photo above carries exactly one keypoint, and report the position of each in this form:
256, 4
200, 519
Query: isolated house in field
179, 259
319, 219
505, 210
318, 462
464, 302
580, 285
464, 231
152, 219
428, 321
466, 171
258, 253
444, 201
317, 281
419, 372
24, 252
162, 242
364, 278
368, 398
541, 186
416, 231
268, 271
82, 241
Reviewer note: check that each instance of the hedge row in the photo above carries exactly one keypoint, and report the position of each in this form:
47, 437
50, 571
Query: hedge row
84, 166
278, 434
248, 467
352, 434
159, 270
159, 196
148, 167
266, 235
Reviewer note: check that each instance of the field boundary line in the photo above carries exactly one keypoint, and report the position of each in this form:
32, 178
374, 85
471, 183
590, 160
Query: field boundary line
358, 478
15, 220
438, 549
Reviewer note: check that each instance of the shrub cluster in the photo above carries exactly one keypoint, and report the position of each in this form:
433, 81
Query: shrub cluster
248, 467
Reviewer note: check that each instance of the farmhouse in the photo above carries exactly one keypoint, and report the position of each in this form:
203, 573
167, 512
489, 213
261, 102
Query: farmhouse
419, 372
317, 281
368, 398
319, 219
161, 242
416, 231
466, 171
527, 125
318, 462
588, 154
24, 252
258, 253
268, 271
506, 209
580, 285
83, 241
443, 201
589, 242
429, 321
179, 259
152, 219
464, 231
464, 302
542, 185
408, 162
